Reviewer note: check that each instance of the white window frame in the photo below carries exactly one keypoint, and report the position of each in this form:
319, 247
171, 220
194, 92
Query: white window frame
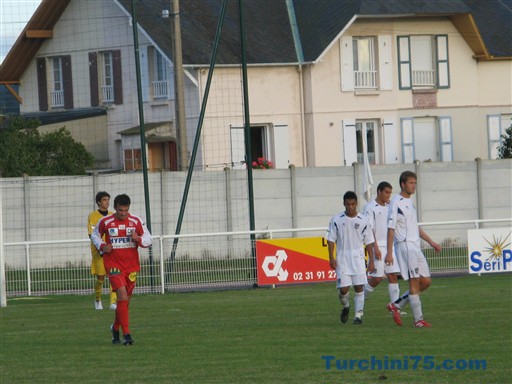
57, 93
107, 89
364, 78
160, 80
494, 133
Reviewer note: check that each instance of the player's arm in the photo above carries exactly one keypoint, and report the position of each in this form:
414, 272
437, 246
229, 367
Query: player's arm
90, 226
97, 238
371, 262
427, 238
142, 237
390, 241
332, 259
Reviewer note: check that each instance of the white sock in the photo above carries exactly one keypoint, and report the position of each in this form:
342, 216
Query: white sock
394, 291
359, 303
368, 289
344, 299
416, 307
402, 300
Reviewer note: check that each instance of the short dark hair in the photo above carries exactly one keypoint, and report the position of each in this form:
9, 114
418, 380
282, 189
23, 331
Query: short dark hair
406, 175
122, 199
383, 185
100, 195
349, 195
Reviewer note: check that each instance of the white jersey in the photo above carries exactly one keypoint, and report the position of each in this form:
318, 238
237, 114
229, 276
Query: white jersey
349, 234
404, 220
377, 216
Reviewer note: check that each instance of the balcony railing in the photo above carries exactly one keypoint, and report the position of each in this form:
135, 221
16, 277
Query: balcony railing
424, 77
57, 98
108, 93
160, 89
365, 79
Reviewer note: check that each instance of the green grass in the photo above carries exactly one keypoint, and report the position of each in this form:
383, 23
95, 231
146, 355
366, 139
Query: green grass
257, 336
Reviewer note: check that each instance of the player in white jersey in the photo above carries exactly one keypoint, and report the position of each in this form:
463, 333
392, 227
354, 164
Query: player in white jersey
349, 232
376, 212
405, 234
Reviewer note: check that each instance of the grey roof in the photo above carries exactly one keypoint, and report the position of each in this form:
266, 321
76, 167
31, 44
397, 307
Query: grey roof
269, 35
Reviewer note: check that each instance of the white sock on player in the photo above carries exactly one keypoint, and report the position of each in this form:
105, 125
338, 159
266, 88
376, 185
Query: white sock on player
368, 289
394, 291
359, 303
344, 299
416, 307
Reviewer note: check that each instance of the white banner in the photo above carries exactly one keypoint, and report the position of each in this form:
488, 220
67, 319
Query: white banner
490, 250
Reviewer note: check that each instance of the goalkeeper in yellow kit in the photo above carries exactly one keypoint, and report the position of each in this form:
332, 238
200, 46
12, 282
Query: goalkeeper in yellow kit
97, 267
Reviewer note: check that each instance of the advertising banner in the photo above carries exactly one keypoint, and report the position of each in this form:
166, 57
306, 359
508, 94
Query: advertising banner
490, 250
291, 261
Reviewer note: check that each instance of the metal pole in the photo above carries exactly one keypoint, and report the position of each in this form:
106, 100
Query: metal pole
142, 133
247, 128
3, 284
179, 88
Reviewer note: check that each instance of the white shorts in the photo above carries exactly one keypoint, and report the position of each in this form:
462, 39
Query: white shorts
381, 269
343, 280
412, 261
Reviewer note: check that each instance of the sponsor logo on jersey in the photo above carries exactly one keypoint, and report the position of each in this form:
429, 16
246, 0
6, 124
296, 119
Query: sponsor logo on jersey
130, 230
122, 226
113, 232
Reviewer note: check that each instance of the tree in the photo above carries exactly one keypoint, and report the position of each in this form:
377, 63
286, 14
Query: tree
23, 149
505, 149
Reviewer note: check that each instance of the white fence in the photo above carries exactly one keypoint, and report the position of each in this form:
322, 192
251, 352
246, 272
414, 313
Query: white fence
201, 261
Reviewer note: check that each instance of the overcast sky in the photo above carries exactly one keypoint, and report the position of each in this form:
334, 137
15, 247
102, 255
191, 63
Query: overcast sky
14, 15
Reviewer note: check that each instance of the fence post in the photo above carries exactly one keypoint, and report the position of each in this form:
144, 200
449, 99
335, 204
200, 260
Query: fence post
26, 207
3, 284
293, 196
479, 187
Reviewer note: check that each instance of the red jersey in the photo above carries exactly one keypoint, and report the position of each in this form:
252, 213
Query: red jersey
124, 255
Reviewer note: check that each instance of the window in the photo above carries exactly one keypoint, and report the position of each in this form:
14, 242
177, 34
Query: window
365, 75
57, 94
366, 63
496, 127
160, 88
269, 141
423, 62
54, 82
105, 75
366, 139
426, 139
108, 78
132, 159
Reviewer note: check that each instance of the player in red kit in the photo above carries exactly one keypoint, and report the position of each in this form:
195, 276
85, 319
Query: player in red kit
124, 234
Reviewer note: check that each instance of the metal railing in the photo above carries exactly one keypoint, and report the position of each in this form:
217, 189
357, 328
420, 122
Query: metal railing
57, 98
365, 79
160, 89
201, 261
108, 93
424, 77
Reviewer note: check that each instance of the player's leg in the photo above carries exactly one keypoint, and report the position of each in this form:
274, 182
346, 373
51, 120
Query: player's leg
358, 298
419, 281
113, 299
98, 269
374, 277
343, 283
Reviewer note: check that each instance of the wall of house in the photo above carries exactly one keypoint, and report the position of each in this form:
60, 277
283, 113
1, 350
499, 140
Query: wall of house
472, 86
91, 132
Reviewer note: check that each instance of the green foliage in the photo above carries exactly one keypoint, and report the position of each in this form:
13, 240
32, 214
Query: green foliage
23, 149
505, 149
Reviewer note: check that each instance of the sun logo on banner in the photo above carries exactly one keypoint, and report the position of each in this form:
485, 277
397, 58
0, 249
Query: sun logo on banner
496, 247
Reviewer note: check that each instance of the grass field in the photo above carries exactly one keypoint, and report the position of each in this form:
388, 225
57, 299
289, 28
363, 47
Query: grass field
259, 336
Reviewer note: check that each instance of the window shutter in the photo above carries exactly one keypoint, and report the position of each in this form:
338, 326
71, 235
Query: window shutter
237, 147
385, 67
144, 72
347, 64
68, 82
494, 134
445, 136
407, 140
118, 77
42, 89
349, 142
281, 147
390, 142
404, 62
93, 79
443, 70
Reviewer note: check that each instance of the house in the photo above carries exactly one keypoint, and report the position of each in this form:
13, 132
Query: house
328, 81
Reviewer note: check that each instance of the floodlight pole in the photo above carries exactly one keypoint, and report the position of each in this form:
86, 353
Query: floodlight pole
142, 133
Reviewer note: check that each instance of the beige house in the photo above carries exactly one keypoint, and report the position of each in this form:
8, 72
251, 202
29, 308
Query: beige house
329, 82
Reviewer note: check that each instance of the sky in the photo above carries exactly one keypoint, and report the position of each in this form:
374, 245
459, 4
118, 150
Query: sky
14, 15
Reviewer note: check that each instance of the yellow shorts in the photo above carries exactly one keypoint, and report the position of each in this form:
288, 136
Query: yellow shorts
97, 267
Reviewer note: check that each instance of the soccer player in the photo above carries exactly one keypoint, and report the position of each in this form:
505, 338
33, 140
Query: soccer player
124, 234
97, 267
349, 231
376, 212
404, 232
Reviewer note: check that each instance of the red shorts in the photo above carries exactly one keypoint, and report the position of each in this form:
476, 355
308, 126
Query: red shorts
120, 279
